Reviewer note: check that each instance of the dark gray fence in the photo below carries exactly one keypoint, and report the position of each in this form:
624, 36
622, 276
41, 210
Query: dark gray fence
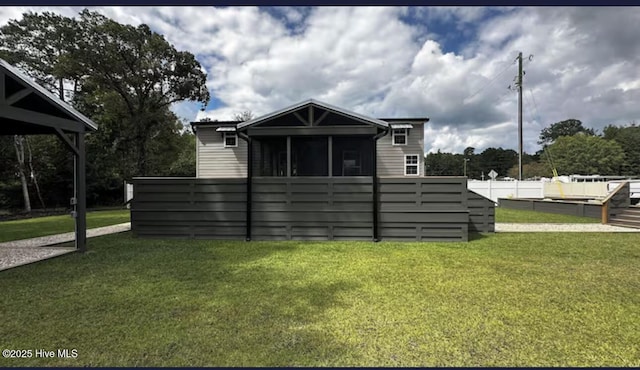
575, 208
482, 216
425, 208
189, 208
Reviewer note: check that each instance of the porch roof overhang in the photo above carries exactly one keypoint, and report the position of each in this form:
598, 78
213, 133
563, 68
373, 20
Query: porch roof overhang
26, 108
312, 102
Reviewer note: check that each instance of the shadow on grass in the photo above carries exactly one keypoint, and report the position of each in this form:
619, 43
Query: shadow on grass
137, 302
473, 236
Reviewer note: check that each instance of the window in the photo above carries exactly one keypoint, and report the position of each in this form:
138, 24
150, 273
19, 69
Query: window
411, 163
399, 136
230, 139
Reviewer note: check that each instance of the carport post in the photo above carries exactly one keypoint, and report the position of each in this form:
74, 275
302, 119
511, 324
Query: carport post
80, 193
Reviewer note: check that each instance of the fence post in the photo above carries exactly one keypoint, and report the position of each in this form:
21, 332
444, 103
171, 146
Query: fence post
490, 188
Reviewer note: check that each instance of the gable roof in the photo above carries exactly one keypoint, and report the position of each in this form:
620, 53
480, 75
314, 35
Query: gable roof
22, 78
316, 103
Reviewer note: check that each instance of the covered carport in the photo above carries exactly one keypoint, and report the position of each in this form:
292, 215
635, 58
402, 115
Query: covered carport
27, 108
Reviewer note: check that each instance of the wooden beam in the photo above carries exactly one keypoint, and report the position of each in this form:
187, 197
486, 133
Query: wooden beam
67, 141
330, 140
321, 118
288, 156
80, 182
311, 115
24, 115
298, 116
312, 131
16, 97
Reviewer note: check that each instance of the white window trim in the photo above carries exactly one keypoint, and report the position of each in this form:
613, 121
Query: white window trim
406, 136
224, 139
406, 165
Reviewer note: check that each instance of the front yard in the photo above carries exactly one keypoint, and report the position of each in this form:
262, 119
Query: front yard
517, 299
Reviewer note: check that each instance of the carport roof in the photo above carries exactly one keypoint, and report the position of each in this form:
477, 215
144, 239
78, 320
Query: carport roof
28, 108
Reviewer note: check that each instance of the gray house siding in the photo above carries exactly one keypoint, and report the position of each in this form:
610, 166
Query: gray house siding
391, 157
417, 209
213, 160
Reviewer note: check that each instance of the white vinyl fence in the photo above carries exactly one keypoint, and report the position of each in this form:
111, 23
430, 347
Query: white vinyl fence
507, 189
128, 192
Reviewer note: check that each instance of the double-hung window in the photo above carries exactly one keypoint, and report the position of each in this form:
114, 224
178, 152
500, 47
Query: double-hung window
399, 136
230, 139
411, 165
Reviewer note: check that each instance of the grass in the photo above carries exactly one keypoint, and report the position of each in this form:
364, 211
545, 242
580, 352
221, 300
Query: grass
524, 216
502, 300
41, 226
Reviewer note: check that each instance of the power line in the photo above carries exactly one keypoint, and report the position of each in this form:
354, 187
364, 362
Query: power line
490, 81
534, 103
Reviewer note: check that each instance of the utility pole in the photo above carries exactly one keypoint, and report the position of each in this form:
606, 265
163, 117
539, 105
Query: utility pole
465, 166
520, 116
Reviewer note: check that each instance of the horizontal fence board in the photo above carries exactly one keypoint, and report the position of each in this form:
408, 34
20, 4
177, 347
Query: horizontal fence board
186, 216
293, 216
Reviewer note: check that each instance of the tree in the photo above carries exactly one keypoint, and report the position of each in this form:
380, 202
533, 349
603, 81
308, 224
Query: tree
582, 154
125, 78
145, 73
568, 127
444, 164
243, 116
531, 170
44, 46
628, 138
497, 159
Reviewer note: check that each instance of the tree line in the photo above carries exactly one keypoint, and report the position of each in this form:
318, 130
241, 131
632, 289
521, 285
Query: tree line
125, 79
567, 146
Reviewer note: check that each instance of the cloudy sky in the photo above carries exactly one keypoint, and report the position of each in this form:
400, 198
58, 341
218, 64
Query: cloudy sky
453, 65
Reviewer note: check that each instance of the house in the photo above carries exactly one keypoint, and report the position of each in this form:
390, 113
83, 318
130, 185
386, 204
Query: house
311, 138
311, 171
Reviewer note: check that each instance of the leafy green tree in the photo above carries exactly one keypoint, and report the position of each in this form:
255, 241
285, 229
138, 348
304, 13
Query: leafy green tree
497, 159
583, 154
568, 127
629, 139
125, 78
444, 164
531, 170
43, 45
146, 73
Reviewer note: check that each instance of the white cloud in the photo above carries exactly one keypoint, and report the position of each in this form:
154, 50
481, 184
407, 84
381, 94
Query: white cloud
370, 60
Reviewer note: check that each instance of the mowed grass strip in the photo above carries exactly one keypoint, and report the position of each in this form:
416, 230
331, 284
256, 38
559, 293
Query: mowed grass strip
49, 225
509, 299
524, 216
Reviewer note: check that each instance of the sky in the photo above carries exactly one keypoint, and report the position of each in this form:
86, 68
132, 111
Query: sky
451, 64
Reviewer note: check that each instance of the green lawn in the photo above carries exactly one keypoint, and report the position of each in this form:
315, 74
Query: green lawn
41, 226
511, 299
522, 216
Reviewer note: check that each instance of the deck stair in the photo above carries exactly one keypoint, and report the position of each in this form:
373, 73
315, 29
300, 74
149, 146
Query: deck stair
629, 217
